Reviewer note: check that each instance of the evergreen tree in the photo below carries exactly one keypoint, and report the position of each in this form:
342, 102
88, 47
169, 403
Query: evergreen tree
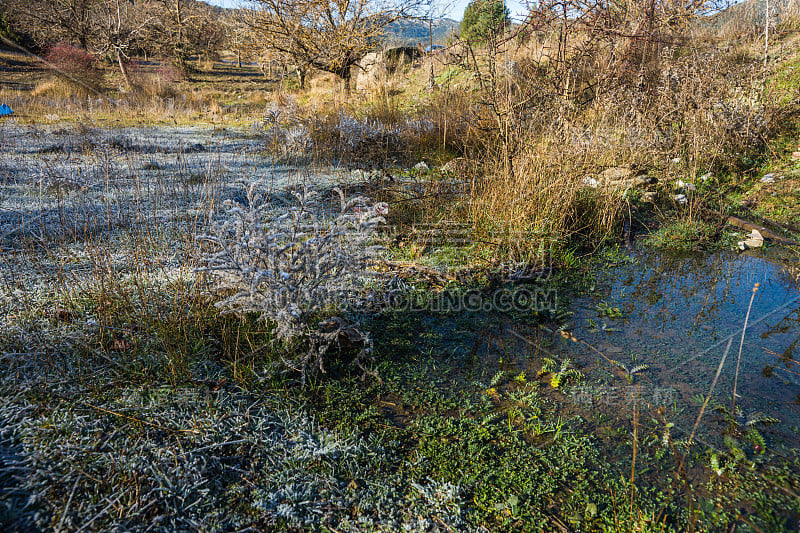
484, 17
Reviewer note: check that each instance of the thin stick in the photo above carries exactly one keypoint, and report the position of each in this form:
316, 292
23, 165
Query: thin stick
635, 442
705, 403
741, 344
134, 419
66, 507
732, 335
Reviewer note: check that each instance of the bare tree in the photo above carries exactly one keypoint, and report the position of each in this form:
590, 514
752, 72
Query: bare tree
182, 28
55, 20
102, 27
118, 26
329, 35
236, 35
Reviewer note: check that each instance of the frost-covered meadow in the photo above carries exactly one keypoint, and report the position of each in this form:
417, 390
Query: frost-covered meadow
109, 419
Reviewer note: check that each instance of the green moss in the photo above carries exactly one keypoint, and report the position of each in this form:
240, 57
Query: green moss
684, 236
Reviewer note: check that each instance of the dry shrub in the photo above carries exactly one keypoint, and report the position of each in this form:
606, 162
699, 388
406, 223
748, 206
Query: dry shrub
790, 18
201, 99
544, 120
377, 134
61, 89
155, 83
75, 73
450, 112
281, 107
74, 63
258, 98
214, 109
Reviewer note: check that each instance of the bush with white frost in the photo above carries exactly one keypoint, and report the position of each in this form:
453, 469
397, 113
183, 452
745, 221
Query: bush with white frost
293, 267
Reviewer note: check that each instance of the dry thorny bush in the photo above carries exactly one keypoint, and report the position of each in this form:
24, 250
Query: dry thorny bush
563, 98
293, 266
380, 137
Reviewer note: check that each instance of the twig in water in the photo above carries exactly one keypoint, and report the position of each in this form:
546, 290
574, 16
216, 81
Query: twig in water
732, 335
705, 403
741, 344
635, 443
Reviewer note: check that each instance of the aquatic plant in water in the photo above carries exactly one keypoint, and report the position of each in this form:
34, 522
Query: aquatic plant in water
631, 371
561, 371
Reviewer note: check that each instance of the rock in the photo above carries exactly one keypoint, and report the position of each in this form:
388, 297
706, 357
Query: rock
372, 71
615, 174
705, 177
591, 182
771, 178
681, 199
754, 240
644, 179
685, 185
455, 166
650, 197
364, 175
618, 179
747, 203
376, 68
421, 166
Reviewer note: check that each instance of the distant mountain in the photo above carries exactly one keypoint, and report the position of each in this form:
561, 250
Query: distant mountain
400, 33
414, 32
751, 12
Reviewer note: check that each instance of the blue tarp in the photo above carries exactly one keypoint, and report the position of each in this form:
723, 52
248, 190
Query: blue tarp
5, 110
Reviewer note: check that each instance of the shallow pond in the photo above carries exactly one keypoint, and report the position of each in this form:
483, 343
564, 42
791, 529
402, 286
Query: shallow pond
673, 318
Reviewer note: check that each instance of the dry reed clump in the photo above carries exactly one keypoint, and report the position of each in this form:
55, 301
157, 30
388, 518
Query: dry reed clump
544, 201
376, 138
157, 83
58, 88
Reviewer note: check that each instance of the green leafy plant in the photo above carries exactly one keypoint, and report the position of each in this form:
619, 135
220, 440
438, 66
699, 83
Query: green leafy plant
561, 372
497, 378
683, 236
631, 371
607, 310
603, 327
742, 427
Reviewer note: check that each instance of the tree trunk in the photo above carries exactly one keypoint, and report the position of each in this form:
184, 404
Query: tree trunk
183, 66
123, 70
346, 74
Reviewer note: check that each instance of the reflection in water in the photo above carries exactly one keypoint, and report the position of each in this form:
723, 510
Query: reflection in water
676, 315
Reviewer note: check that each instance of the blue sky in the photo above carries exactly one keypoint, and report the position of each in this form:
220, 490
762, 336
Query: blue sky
455, 12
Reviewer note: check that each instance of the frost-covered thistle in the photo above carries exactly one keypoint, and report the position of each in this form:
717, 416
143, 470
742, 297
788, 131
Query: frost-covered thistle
290, 268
